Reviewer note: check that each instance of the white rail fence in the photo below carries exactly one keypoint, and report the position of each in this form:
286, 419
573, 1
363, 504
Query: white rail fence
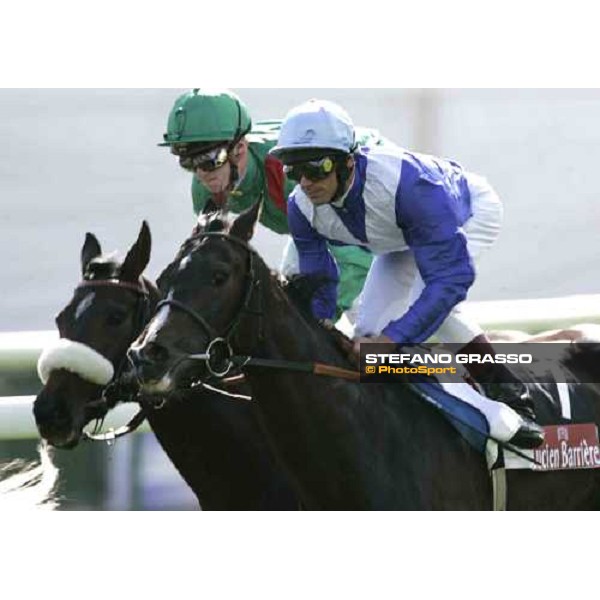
17, 422
19, 351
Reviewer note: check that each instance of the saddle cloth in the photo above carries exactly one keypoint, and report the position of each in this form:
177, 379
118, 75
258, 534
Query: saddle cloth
479, 420
483, 423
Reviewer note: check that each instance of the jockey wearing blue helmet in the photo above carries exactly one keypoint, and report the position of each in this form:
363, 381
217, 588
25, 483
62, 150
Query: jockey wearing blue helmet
424, 218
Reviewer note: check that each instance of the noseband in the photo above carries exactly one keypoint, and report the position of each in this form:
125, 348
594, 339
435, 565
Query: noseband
218, 356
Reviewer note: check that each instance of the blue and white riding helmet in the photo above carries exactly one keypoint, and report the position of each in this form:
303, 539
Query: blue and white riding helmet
316, 124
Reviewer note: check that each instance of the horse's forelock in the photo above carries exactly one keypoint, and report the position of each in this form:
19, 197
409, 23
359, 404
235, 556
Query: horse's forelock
186, 248
216, 226
207, 223
103, 267
213, 222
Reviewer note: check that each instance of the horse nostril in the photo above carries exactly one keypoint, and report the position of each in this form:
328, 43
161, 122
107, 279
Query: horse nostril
156, 353
149, 354
42, 411
51, 414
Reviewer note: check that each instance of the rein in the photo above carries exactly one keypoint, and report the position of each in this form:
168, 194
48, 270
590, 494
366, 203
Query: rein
313, 368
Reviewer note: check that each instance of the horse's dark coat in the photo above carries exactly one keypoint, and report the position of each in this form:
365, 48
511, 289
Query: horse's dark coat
347, 445
216, 444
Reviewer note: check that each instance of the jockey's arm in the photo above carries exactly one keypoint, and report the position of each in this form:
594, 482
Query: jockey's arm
314, 259
440, 249
448, 274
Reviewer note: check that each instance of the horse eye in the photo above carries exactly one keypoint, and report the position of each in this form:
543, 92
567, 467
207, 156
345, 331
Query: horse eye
219, 277
116, 318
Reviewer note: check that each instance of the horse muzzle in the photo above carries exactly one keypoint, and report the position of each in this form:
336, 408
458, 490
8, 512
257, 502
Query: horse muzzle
59, 422
150, 365
159, 370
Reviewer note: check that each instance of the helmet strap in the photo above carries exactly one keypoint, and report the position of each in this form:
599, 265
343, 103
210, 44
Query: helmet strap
234, 175
343, 173
234, 172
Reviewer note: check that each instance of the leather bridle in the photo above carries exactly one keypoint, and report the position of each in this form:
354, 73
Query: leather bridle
140, 288
218, 356
111, 393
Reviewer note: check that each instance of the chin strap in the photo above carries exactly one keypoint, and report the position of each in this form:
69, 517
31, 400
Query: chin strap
220, 199
234, 176
343, 174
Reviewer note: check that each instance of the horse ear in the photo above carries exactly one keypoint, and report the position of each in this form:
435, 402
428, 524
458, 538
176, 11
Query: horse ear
90, 250
138, 256
244, 225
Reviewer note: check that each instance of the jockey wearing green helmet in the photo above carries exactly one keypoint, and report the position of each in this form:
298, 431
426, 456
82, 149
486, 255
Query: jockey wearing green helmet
212, 134
206, 130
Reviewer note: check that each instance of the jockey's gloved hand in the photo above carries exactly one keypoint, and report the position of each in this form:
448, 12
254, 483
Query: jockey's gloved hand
385, 344
327, 323
345, 344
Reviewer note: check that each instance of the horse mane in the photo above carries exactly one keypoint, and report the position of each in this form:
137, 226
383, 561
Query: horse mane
299, 291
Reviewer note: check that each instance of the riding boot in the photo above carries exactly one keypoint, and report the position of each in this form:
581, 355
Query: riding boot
501, 384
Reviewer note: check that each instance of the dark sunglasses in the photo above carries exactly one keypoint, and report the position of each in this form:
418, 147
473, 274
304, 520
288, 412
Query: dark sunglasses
206, 161
314, 170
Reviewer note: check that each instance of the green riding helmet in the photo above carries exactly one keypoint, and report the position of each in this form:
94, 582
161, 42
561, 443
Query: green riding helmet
207, 116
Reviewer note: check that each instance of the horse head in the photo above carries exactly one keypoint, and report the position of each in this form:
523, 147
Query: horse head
109, 308
188, 325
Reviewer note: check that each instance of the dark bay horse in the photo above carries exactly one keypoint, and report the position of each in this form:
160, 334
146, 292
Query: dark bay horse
348, 445
215, 444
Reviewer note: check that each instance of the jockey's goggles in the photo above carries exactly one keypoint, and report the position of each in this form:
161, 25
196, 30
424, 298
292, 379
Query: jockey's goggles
210, 160
314, 170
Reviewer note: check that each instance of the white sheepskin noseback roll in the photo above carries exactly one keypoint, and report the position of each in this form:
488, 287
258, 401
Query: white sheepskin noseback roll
76, 358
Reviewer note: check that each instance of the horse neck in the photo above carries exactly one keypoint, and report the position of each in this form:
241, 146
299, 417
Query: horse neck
317, 424
217, 446
286, 333
348, 445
